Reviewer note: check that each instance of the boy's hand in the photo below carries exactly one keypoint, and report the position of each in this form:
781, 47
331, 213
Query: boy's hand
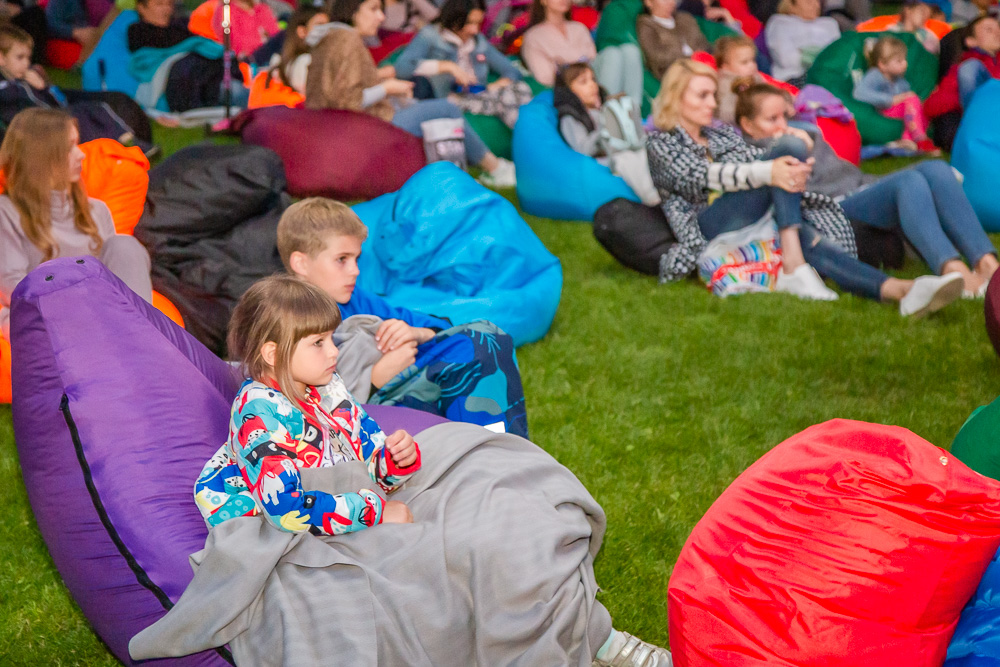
34, 79
393, 363
394, 333
402, 448
396, 512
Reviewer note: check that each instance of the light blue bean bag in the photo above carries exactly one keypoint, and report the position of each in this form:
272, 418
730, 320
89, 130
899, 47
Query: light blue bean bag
553, 180
976, 642
445, 245
976, 153
113, 50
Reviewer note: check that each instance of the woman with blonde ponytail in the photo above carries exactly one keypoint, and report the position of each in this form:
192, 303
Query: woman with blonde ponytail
45, 212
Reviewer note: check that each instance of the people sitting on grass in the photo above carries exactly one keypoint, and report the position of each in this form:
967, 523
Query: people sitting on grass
554, 39
711, 181
884, 86
457, 61
913, 16
666, 34
578, 100
343, 75
291, 66
795, 36
465, 373
82, 21
736, 59
925, 200
45, 212
979, 63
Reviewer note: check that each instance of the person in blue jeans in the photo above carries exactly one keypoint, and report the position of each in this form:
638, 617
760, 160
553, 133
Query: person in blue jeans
926, 201
711, 181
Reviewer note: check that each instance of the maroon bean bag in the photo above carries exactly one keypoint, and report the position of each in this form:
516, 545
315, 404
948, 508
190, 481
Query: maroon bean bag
993, 311
334, 153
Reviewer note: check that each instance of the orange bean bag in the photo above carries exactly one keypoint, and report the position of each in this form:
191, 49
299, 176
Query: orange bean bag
273, 93
881, 23
200, 22
118, 176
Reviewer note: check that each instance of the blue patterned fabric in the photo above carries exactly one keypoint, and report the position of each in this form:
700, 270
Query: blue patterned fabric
467, 373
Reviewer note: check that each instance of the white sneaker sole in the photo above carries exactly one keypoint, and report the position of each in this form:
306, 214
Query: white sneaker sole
949, 292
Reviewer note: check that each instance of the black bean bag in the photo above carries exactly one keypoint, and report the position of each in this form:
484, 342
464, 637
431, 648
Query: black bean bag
210, 225
635, 234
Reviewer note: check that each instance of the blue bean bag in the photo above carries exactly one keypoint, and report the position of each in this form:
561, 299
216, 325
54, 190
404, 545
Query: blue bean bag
112, 49
116, 409
976, 642
976, 153
553, 180
445, 245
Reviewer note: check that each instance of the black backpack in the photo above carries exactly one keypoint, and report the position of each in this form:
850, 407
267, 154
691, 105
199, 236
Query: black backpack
635, 234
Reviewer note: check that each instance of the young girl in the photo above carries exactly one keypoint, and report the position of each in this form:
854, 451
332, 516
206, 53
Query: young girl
452, 54
294, 413
291, 66
578, 100
736, 58
45, 212
885, 88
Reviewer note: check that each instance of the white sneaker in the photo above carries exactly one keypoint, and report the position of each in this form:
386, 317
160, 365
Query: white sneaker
636, 653
931, 293
501, 177
804, 283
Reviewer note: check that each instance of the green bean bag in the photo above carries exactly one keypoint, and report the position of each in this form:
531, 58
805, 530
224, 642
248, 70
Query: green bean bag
617, 27
842, 63
490, 129
977, 444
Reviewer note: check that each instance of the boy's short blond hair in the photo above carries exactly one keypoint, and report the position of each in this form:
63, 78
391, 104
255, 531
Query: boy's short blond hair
306, 225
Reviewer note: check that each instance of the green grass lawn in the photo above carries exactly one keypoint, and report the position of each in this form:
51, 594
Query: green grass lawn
656, 396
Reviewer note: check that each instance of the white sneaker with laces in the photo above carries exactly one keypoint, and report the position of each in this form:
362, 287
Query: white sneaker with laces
635, 653
804, 283
501, 177
931, 293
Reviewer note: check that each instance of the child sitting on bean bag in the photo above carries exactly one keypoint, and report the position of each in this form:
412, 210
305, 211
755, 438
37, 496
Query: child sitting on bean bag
465, 373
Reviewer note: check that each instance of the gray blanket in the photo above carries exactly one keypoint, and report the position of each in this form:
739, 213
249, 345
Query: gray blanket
497, 569
355, 338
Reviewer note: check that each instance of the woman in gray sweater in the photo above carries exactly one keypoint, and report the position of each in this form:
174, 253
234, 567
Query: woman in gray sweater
45, 212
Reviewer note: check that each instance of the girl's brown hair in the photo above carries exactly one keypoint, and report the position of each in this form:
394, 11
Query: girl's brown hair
282, 310
749, 95
666, 106
567, 74
884, 49
294, 46
34, 157
538, 13
725, 45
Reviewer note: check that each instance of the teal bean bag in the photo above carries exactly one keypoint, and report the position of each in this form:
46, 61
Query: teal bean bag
445, 245
842, 63
976, 153
112, 50
553, 180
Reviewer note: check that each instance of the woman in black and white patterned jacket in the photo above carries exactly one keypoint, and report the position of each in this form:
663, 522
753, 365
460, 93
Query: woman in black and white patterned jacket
711, 182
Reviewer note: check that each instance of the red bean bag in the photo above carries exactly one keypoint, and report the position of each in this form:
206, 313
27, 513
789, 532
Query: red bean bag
848, 544
334, 153
749, 24
62, 53
844, 138
390, 41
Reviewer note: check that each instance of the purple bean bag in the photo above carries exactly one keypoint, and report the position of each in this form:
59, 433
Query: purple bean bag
334, 153
992, 310
116, 409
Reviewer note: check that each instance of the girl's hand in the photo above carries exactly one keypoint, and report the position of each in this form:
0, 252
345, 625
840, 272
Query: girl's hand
402, 448
396, 512
901, 97
393, 363
397, 88
499, 83
387, 72
800, 134
394, 333
718, 14
462, 78
790, 174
